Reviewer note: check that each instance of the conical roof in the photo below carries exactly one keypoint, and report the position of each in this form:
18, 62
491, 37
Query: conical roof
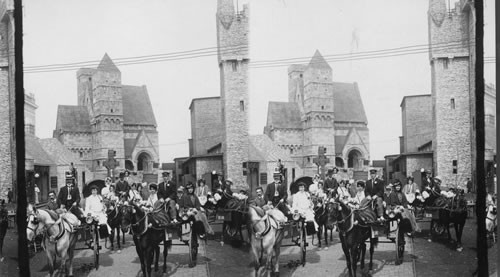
107, 64
318, 61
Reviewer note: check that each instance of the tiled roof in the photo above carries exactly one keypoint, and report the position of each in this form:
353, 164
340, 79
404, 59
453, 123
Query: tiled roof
339, 144
72, 119
318, 61
58, 153
35, 151
129, 145
348, 106
262, 148
283, 115
107, 64
137, 107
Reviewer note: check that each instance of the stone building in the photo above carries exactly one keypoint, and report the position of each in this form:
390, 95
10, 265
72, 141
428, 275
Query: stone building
110, 116
451, 104
321, 112
46, 160
8, 159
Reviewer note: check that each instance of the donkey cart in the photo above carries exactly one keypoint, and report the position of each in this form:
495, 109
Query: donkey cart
186, 233
88, 236
393, 231
296, 231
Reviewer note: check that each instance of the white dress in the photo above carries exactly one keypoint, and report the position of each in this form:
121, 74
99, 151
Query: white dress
313, 188
302, 203
95, 207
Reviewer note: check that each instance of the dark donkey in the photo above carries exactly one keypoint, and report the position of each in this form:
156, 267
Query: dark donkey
352, 236
321, 217
114, 220
147, 240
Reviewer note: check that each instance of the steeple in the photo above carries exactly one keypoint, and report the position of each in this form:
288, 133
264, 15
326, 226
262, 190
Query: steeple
107, 64
319, 62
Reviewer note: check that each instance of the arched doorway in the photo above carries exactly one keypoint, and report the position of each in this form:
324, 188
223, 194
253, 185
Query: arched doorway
354, 159
129, 165
339, 162
144, 162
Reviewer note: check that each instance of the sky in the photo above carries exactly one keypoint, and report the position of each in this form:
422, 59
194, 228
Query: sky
72, 31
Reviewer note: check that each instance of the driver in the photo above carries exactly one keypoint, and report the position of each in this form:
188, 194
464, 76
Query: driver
190, 202
276, 194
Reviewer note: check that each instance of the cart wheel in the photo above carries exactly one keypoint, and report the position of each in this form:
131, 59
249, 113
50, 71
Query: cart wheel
96, 248
303, 243
400, 246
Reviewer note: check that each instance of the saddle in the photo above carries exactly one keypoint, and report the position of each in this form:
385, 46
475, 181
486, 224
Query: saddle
365, 214
278, 218
72, 221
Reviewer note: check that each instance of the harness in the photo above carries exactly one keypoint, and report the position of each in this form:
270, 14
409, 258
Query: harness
145, 218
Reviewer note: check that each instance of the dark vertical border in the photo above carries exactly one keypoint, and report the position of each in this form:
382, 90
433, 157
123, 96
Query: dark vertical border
24, 265
497, 52
482, 246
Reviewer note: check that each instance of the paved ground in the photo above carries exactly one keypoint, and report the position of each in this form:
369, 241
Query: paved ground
421, 258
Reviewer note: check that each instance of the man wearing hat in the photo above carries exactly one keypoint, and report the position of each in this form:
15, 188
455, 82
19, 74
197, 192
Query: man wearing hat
331, 183
375, 188
122, 187
167, 192
276, 194
426, 178
219, 184
227, 186
69, 196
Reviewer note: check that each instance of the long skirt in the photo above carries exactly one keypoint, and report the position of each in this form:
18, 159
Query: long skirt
408, 214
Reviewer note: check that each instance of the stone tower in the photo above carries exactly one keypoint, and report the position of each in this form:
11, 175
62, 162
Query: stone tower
8, 166
232, 42
452, 91
107, 107
318, 117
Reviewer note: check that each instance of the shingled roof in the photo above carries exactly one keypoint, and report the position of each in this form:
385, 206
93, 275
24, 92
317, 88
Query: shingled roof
283, 115
107, 64
137, 108
58, 153
348, 106
262, 148
72, 119
318, 61
35, 151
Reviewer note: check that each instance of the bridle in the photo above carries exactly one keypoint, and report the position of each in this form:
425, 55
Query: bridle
34, 222
137, 223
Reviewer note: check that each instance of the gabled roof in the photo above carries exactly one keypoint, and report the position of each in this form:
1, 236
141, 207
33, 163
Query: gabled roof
35, 151
283, 115
58, 153
107, 64
262, 148
72, 119
129, 145
347, 103
137, 108
318, 61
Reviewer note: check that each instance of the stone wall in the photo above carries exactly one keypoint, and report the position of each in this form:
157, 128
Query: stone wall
417, 121
206, 124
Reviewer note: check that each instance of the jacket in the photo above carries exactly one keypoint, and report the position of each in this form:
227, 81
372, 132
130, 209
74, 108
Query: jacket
62, 197
375, 187
187, 202
270, 192
168, 190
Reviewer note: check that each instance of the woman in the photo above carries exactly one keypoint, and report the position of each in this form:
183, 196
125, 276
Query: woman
343, 192
111, 195
201, 192
37, 193
95, 207
301, 203
4, 224
155, 208
360, 194
398, 198
133, 194
410, 189
313, 188
190, 201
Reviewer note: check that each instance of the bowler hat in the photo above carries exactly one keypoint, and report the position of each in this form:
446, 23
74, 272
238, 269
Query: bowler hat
180, 189
373, 171
165, 174
122, 174
229, 180
437, 178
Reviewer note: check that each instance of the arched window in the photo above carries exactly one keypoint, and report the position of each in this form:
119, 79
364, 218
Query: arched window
339, 162
129, 165
354, 159
144, 162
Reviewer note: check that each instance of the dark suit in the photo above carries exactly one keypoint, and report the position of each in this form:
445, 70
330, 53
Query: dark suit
122, 187
62, 197
52, 205
275, 200
376, 187
331, 184
168, 190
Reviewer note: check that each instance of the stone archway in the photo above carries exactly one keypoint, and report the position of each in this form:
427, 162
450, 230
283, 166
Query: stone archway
339, 162
129, 165
144, 162
354, 159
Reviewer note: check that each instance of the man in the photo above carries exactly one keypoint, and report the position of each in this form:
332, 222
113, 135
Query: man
73, 171
52, 204
469, 185
227, 187
375, 188
426, 179
276, 194
122, 187
259, 199
167, 192
69, 196
331, 183
219, 183
10, 195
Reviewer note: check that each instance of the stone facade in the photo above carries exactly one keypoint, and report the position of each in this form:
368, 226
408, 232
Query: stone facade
417, 122
8, 159
319, 113
206, 124
110, 116
452, 90
232, 42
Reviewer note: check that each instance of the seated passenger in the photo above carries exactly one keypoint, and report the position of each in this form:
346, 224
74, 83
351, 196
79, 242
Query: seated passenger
259, 199
190, 201
398, 198
301, 203
95, 208
343, 192
156, 208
